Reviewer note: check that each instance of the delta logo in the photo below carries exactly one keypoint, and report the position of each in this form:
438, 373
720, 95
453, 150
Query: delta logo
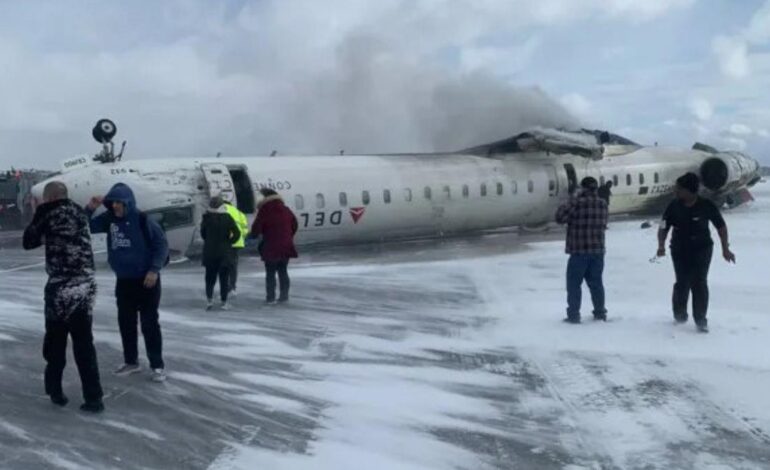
356, 213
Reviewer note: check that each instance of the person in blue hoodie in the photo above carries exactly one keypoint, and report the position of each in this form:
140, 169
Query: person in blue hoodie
137, 250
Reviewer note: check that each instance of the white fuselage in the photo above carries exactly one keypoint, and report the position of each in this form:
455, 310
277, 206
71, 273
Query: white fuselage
340, 199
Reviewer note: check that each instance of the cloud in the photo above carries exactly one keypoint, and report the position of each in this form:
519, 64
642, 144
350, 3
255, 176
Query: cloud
733, 56
764, 133
758, 31
701, 108
733, 52
734, 143
196, 77
740, 129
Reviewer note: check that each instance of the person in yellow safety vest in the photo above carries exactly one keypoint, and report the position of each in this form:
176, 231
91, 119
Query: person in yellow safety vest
243, 225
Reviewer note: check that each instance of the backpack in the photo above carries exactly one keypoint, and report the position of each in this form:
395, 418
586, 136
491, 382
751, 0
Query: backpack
145, 233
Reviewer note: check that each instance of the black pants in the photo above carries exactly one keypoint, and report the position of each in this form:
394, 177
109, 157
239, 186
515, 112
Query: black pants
55, 353
692, 269
282, 269
136, 301
221, 270
234, 269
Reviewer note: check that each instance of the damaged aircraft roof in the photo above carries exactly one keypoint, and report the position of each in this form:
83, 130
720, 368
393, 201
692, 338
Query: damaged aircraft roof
584, 142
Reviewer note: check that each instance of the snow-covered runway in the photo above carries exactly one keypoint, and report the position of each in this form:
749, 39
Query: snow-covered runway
440, 356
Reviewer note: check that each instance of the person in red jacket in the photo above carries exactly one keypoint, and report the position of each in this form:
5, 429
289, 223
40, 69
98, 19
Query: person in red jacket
276, 224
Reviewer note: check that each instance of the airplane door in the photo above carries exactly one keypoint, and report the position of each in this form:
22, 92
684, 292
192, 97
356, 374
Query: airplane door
553, 180
571, 176
219, 181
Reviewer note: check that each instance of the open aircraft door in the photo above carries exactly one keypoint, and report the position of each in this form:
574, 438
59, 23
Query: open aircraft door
219, 181
553, 180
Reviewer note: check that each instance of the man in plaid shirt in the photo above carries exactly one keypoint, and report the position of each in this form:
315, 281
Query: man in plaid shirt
586, 218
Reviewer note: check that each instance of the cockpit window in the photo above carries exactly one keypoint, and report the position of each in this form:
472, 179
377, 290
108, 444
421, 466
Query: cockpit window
170, 218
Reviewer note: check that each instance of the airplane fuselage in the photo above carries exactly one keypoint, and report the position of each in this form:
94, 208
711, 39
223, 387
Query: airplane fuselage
341, 199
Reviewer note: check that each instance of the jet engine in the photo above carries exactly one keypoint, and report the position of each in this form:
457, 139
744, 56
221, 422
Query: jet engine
726, 172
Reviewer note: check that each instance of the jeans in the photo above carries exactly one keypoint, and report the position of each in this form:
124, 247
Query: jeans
589, 268
55, 353
692, 269
271, 269
134, 302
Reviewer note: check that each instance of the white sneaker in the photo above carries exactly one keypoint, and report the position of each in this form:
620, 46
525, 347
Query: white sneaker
225, 306
233, 293
209, 305
158, 375
127, 369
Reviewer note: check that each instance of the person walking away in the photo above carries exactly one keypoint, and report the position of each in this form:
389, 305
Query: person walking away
605, 192
219, 232
137, 251
277, 225
242, 222
692, 248
586, 217
62, 226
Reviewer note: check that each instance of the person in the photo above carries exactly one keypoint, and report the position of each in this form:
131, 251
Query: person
692, 247
605, 192
62, 226
586, 217
137, 250
277, 225
219, 232
243, 229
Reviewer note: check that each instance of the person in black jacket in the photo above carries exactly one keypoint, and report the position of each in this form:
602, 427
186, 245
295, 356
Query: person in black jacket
219, 232
62, 226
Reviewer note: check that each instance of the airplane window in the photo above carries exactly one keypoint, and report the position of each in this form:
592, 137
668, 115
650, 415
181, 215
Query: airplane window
365, 198
551, 185
408, 195
466, 191
386, 196
515, 187
172, 217
320, 202
500, 189
299, 202
428, 193
447, 192
641, 179
629, 181
657, 178
615, 181
483, 190
343, 199
531, 186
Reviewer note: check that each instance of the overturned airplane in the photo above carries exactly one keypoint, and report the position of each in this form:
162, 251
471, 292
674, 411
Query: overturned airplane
357, 198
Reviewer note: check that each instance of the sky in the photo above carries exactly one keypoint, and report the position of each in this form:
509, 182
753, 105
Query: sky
245, 77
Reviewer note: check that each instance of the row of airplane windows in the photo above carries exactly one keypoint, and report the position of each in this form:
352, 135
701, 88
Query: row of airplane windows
499, 190
408, 194
629, 180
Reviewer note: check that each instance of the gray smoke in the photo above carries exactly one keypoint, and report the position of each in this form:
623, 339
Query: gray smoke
372, 100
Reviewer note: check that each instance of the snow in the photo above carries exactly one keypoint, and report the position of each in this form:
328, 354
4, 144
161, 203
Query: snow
446, 356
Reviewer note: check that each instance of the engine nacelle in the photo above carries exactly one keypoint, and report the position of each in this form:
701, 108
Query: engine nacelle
729, 171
